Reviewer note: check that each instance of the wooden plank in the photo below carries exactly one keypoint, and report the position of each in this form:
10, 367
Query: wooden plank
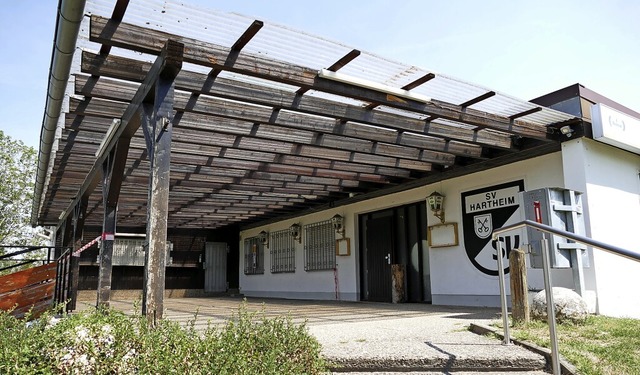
27, 296
27, 277
337, 151
296, 127
149, 41
34, 310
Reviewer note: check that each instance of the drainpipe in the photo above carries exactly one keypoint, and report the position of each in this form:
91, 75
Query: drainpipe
70, 14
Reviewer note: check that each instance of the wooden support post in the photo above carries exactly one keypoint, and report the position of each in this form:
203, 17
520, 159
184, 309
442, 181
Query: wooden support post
398, 293
79, 214
519, 288
156, 121
112, 175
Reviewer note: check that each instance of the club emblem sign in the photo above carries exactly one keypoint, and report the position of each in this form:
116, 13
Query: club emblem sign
482, 225
484, 210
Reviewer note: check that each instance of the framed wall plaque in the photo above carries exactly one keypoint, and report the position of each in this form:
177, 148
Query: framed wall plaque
343, 247
443, 235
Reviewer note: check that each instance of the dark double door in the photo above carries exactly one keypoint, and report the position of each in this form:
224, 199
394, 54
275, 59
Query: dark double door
394, 236
380, 254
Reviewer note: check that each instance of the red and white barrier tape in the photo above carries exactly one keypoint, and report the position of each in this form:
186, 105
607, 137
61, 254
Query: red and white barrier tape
85, 247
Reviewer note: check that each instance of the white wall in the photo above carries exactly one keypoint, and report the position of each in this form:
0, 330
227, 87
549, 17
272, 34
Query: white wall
611, 179
302, 284
454, 279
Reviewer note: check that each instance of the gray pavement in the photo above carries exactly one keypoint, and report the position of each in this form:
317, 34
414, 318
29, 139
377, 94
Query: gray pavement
362, 337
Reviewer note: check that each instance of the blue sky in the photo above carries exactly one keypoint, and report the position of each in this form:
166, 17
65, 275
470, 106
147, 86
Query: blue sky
521, 48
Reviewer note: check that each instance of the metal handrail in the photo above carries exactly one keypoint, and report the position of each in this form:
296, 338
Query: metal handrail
551, 318
572, 236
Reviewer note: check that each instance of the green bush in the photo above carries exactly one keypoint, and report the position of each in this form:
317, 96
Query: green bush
109, 342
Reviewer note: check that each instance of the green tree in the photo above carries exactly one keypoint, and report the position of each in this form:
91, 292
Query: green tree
17, 177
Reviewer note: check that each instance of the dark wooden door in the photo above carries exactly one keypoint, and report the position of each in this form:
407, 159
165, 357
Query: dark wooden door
379, 249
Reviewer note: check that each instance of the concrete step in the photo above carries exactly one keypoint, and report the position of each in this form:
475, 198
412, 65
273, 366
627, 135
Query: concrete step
446, 372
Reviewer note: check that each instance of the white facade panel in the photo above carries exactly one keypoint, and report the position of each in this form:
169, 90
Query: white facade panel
610, 177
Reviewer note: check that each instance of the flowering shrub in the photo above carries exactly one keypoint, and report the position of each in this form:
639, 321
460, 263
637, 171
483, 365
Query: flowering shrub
109, 342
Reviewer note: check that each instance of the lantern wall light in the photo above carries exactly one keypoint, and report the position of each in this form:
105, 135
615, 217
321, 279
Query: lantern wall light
263, 237
296, 232
436, 205
338, 224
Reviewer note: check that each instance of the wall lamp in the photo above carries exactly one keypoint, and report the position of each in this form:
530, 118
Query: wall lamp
296, 232
263, 237
338, 224
436, 205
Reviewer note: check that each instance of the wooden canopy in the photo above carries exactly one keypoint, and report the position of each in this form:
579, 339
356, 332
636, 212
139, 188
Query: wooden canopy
257, 138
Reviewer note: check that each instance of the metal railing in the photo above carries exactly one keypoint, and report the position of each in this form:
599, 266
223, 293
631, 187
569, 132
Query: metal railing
63, 278
551, 318
22, 261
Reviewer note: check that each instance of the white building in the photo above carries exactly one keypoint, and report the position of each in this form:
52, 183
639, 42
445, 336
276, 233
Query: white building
459, 274
273, 132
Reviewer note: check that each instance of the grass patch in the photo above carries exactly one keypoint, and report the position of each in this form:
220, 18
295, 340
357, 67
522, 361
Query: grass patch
601, 345
110, 342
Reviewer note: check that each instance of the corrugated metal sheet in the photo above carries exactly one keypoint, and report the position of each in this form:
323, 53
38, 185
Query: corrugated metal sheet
130, 252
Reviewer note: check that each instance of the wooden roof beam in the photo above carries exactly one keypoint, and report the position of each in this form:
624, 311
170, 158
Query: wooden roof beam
242, 41
168, 64
477, 99
409, 86
525, 113
126, 69
118, 13
372, 155
141, 39
113, 90
424, 79
344, 60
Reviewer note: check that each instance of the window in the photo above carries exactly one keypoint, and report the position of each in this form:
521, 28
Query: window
319, 246
283, 252
253, 256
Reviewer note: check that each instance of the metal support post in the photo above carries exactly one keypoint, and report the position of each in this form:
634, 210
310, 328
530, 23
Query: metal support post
551, 311
503, 295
